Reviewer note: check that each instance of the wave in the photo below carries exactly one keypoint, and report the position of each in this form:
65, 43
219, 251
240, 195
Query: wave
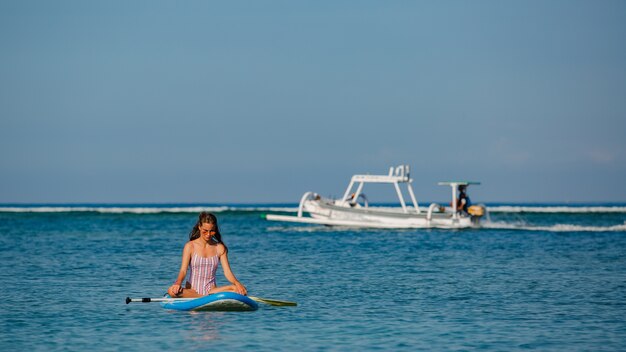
553, 228
141, 210
151, 209
556, 209
549, 209
165, 209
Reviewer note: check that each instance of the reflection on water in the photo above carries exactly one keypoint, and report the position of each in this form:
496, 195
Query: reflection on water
204, 326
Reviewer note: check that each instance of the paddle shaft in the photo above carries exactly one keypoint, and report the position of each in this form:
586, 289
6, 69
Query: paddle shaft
148, 300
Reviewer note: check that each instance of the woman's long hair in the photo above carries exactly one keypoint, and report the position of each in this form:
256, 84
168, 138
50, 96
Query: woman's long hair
208, 218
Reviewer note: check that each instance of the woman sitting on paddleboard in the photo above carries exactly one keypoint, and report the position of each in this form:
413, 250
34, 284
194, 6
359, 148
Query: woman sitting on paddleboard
201, 256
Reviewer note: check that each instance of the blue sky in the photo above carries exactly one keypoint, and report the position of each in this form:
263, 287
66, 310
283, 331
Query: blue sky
254, 101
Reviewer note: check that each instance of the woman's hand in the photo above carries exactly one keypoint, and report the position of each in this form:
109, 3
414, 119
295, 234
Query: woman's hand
175, 290
240, 288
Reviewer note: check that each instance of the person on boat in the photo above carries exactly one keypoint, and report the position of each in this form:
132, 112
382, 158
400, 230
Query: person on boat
463, 202
201, 255
351, 200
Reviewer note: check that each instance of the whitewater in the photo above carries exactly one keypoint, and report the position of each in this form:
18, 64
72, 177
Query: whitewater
561, 218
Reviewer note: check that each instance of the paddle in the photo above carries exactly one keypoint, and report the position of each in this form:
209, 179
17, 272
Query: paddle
271, 302
162, 299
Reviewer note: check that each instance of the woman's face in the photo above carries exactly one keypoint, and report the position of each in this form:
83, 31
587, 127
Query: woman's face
206, 231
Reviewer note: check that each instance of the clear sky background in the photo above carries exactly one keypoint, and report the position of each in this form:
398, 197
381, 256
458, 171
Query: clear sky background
260, 101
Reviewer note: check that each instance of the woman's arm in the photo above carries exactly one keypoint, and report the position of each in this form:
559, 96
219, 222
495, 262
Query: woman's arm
228, 273
183, 267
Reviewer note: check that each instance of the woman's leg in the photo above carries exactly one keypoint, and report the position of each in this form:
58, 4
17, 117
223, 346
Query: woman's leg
227, 288
186, 292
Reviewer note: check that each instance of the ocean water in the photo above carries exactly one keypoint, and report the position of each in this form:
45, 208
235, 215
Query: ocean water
536, 277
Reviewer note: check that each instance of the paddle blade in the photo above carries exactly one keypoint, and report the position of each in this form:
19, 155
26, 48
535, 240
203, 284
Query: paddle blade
273, 302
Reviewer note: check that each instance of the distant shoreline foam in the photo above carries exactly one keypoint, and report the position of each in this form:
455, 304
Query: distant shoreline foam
156, 209
140, 209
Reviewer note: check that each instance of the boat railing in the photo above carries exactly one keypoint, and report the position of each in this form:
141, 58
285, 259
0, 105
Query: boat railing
305, 197
431, 209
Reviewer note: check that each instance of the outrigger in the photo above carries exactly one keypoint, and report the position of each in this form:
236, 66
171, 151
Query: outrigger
353, 208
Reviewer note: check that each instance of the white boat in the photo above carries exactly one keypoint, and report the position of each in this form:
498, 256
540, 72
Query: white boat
353, 208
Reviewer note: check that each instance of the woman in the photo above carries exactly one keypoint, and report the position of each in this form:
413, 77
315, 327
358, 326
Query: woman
201, 255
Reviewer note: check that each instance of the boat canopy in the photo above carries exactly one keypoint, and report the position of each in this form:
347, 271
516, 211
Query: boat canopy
397, 175
458, 183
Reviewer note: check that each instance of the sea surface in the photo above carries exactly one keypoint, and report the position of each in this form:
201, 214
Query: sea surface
548, 277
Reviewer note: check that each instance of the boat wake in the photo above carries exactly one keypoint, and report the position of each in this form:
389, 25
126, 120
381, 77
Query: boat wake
553, 228
556, 209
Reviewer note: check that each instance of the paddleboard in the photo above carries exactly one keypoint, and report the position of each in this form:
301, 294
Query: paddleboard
223, 301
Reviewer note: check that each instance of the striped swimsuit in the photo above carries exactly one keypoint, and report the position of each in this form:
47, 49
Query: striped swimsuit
202, 273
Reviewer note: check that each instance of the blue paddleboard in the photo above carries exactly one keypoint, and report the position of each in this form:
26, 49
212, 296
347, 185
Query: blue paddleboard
223, 301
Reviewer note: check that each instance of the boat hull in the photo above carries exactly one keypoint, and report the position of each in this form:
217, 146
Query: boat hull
326, 213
